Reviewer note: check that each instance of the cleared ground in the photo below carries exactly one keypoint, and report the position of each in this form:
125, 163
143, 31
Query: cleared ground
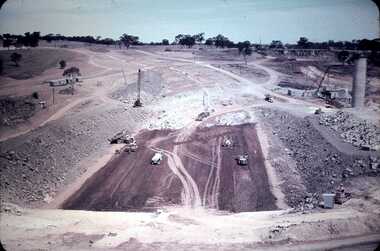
289, 158
130, 183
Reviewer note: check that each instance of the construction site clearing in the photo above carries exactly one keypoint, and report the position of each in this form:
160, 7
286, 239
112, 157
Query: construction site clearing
158, 149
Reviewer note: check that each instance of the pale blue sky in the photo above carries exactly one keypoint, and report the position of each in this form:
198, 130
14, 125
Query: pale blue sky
153, 20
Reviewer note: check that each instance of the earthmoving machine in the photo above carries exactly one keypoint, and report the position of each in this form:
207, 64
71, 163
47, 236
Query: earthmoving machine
121, 138
227, 142
325, 92
156, 159
318, 111
268, 98
124, 138
131, 147
242, 160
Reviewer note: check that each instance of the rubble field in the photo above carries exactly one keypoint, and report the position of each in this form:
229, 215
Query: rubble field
321, 167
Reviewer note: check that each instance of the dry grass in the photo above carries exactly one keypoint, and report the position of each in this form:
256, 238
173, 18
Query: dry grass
34, 61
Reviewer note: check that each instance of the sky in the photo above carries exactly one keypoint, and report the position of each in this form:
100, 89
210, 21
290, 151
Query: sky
154, 20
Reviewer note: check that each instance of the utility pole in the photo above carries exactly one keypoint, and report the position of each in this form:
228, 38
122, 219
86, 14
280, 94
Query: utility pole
205, 101
139, 86
53, 90
138, 100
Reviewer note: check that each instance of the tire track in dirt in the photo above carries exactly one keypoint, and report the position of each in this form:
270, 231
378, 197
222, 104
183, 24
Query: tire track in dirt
190, 189
210, 181
214, 193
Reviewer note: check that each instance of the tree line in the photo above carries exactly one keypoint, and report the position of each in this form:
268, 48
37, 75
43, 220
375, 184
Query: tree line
31, 39
304, 43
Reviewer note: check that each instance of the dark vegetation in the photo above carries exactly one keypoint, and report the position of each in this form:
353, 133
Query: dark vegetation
62, 64
72, 72
16, 109
16, 58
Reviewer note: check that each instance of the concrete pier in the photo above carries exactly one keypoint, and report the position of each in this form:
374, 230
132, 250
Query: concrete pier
359, 82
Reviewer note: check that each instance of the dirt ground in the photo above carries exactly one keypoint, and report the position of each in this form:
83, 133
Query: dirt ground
130, 183
62, 154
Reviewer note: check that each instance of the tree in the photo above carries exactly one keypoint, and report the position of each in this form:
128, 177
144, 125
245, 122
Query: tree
245, 49
1, 66
343, 56
199, 38
7, 43
209, 42
165, 42
178, 38
222, 41
30, 39
129, 40
62, 64
34, 39
276, 44
303, 42
187, 40
15, 58
35, 95
71, 72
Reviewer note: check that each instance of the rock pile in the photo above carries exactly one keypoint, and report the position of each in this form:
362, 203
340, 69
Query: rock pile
321, 166
33, 167
360, 133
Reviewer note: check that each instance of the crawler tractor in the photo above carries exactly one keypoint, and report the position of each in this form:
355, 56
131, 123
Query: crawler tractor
242, 160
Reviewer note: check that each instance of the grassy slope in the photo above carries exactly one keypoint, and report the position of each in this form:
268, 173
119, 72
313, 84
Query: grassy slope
33, 62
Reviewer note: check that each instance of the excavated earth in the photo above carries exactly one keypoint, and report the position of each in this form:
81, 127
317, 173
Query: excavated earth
130, 183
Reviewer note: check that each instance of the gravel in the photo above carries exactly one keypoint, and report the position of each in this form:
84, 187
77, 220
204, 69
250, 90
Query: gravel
358, 132
35, 166
320, 165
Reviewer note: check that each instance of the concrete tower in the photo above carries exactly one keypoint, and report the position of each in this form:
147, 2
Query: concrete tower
377, 2
359, 82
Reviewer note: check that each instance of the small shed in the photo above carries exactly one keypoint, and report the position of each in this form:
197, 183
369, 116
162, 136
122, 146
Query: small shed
328, 200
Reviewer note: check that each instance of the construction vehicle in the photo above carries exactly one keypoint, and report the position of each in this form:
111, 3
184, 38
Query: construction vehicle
242, 160
227, 142
202, 116
121, 138
156, 159
268, 98
131, 147
318, 111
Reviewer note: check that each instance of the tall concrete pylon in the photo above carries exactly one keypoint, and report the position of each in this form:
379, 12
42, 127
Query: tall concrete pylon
377, 2
359, 82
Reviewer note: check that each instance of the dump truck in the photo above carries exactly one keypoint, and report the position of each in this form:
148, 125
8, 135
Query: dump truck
156, 159
268, 98
242, 160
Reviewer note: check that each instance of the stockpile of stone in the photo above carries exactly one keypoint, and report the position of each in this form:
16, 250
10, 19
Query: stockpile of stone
321, 166
360, 133
34, 166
